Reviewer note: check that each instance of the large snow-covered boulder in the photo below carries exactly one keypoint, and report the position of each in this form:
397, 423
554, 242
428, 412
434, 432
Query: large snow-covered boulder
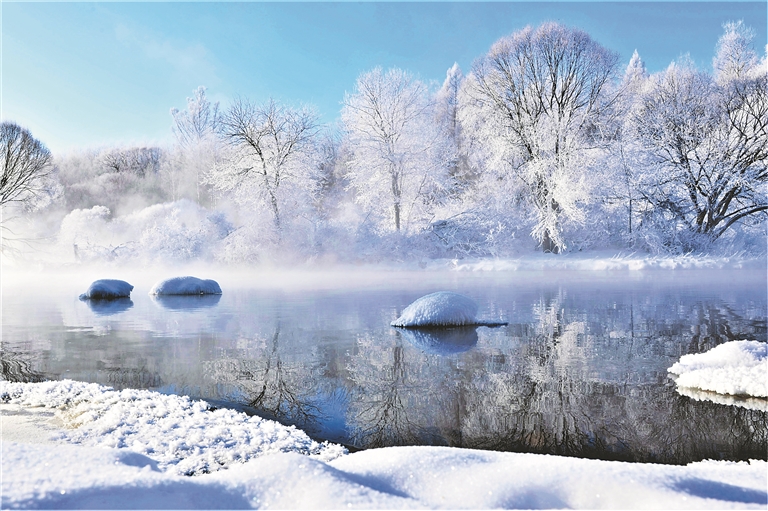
186, 286
737, 368
107, 289
441, 309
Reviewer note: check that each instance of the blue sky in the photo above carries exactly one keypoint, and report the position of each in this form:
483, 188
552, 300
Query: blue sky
91, 74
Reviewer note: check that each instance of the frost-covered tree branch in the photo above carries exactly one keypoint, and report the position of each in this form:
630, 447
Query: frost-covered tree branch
25, 161
708, 143
398, 158
269, 144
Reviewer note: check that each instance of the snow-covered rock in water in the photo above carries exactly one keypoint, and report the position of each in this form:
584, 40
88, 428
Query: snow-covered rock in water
107, 289
186, 286
441, 309
738, 368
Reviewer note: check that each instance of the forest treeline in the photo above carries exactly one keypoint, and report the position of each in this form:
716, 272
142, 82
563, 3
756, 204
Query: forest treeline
547, 143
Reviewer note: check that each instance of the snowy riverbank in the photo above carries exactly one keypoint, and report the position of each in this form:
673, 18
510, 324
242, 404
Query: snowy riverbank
68, 459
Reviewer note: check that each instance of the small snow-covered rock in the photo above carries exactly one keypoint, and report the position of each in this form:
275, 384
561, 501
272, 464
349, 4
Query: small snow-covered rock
186, 286
739, 368
107, 289
441, 309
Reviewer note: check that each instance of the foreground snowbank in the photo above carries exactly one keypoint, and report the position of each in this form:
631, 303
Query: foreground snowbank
737, 368
71, 477
182, 436
97, 475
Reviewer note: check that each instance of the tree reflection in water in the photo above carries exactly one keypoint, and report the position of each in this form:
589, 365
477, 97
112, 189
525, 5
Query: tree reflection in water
16, 367
268, 385
578, 372
561, 386
384, 399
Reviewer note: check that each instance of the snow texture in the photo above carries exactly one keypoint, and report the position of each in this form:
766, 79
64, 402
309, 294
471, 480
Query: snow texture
107, 289
186, 286
737, 368
441, 309
71, 477
182, 436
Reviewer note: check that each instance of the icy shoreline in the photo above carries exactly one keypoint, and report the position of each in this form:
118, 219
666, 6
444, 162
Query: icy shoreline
69, 460
535, 261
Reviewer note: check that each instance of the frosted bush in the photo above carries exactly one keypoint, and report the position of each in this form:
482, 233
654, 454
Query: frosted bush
171, 232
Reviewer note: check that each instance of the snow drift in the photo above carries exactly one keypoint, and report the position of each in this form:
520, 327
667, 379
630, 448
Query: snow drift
186, 286
441, 309
107, 289
737, 368
81, 477
182, 436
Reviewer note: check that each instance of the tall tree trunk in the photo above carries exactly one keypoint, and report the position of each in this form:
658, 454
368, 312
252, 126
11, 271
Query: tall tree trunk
548, 245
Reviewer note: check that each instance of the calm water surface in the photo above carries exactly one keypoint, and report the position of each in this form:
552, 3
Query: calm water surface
580, 370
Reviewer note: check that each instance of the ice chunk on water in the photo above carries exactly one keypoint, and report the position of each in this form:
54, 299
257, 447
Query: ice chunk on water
186, 286
442, 309
738, 368
107, 289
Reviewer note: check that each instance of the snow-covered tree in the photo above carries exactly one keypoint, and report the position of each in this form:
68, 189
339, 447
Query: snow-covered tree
542, 96
270, 151
198, 149
735, 56
622, 202
398, 159
25, 163
199, 121
707, 148
636, 73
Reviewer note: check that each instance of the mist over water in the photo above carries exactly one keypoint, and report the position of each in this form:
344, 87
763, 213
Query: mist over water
580, 370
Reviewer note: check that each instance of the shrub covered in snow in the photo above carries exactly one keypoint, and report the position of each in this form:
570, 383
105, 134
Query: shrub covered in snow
172, 232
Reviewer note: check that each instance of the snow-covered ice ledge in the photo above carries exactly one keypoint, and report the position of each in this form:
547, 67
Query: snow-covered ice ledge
736, 368
95, 474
